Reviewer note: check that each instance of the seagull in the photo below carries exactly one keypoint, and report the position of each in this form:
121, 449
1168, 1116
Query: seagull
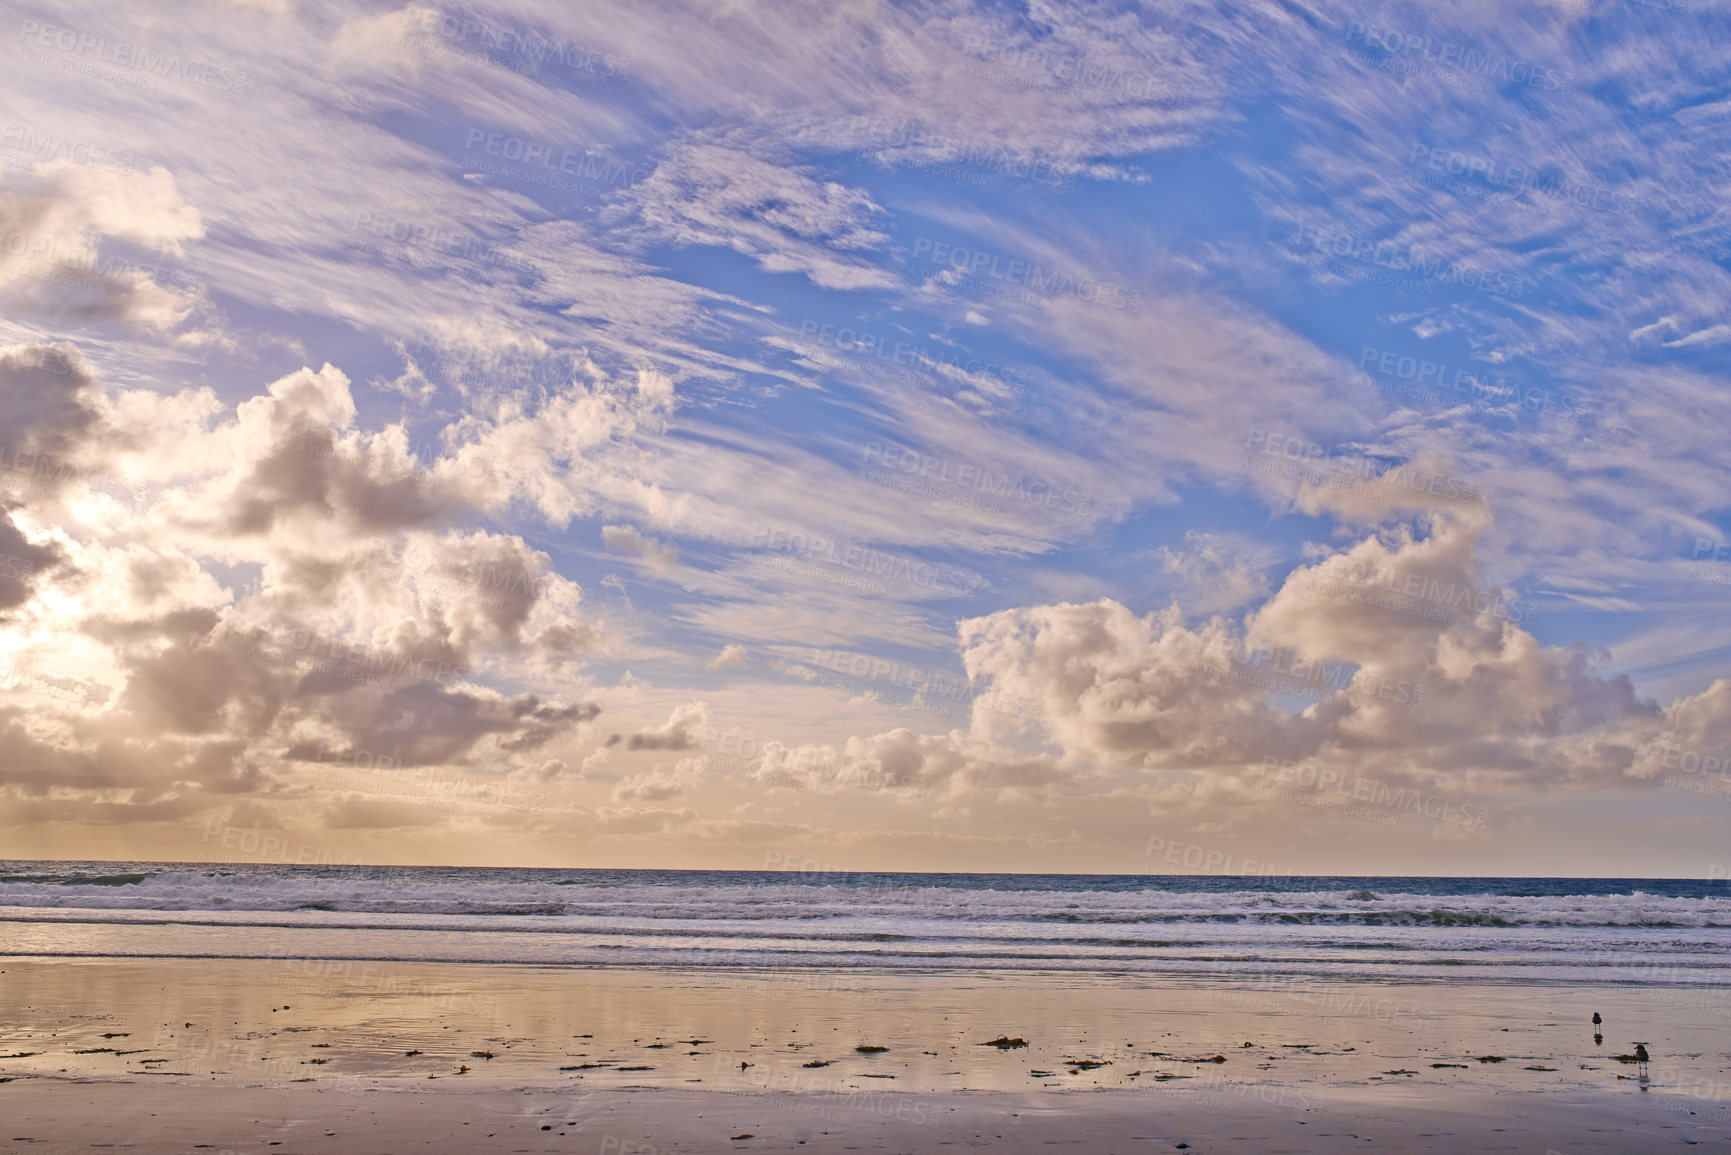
1596, 1019
1641, 1056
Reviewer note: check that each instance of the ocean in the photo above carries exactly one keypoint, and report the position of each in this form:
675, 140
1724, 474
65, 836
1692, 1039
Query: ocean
1662, 932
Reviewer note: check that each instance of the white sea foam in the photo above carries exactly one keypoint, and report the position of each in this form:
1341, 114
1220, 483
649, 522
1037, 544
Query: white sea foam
217, 890
1407, 928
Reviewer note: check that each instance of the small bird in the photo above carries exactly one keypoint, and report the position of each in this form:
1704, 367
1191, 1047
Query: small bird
1596, 1019
1641, 1054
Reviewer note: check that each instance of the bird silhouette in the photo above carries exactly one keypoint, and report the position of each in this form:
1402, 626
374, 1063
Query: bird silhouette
1640, 1057
1596, 1019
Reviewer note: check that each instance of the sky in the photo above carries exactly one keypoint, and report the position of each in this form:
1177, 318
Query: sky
1186, 438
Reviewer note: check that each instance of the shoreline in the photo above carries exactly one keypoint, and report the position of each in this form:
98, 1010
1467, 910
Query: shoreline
775, 875
371, 1026
48, 1115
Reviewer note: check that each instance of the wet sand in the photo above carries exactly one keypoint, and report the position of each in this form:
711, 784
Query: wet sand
319, 1055
57, 1116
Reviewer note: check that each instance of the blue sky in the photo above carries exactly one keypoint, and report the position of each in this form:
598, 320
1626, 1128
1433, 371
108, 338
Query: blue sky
1025, 430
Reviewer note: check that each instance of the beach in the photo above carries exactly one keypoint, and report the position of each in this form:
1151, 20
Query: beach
296, 1030
164, 1055
79, 1116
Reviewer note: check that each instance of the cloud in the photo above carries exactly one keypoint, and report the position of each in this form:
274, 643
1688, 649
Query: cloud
559, 453
1215, 572
290, 588
953, 765
223, 559
47, 402
731, 657
1117, 689
679, 732
1403, 658
54, 262
717, 194
658, 556
1712, 335
424, 724
662, 782
20, 561
552, 770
